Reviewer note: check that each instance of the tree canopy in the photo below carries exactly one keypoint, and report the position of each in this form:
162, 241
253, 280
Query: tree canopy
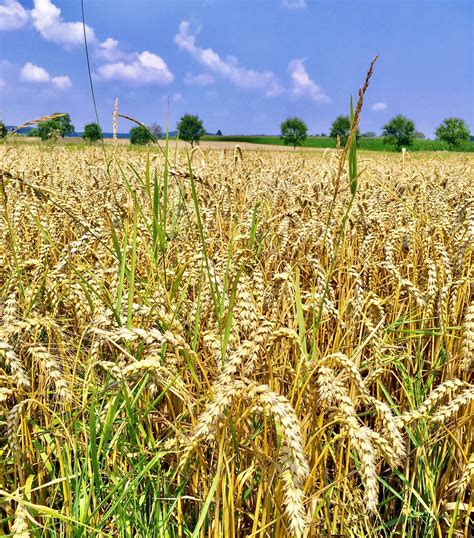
190, 128
140, 135
55, 127
341, 128
156, 130
454, 131
399, 131
3, 130
92, 132
294, 131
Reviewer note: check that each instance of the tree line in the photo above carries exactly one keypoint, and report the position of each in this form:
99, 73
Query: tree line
400, 131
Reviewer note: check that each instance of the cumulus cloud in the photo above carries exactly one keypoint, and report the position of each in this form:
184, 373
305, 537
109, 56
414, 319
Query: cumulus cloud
34, 73
109, 50
12, 15
48, 21
302, 85
229, 67
203, 79
143, 68
378, 107
37, 74
135, 67
62, 82
294, 4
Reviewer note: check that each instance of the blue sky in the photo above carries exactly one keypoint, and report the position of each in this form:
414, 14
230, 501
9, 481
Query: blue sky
242, 65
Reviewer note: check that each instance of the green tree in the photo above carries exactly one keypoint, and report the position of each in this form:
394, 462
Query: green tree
54, 127
369, 134
294, 131
341, 127
3, 130
190, 128
92, 132
454, 131
399, 131
140, 136
219, 133
419, 135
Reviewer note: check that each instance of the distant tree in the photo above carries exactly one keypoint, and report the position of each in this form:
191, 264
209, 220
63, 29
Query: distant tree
33, 132
92, 132
190, 128
140, 136
3, 130
341, 127
369, 134
454, 131
294, 131
49, 129
219, 133
156, 130
419, 135
399, 131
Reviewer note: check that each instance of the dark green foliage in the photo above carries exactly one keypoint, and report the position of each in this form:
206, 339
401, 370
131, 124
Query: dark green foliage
399, 132
92, 132
61, 127
140, 135
219, 133
341, 127
3, 130
190, 128
369, 134
294, 131
453, 131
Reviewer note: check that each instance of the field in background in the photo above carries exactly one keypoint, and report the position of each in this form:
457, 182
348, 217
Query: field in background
276, 143
368, 144
228, 347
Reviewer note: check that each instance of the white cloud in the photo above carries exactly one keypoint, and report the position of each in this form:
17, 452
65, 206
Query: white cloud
109, 50
377, 107
12, 15
143, 68
176, 97
203, 79
294, 4
48, 21
302, 85
228, 68
139, 68
62, 82
34, 73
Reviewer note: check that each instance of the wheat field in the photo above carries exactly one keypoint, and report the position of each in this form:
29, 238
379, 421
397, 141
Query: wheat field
228, 343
